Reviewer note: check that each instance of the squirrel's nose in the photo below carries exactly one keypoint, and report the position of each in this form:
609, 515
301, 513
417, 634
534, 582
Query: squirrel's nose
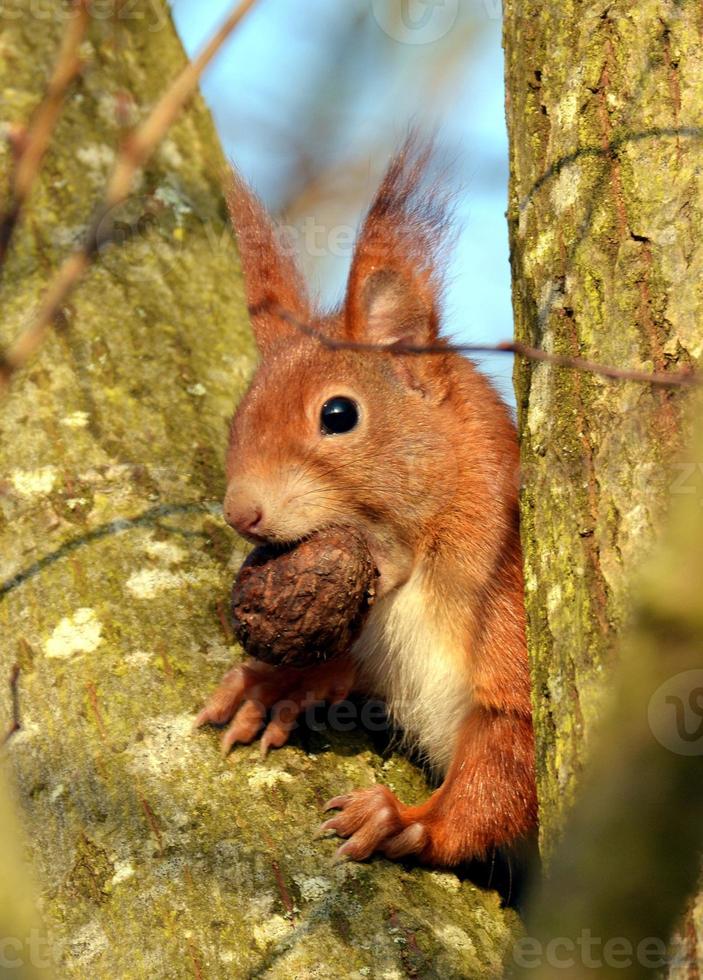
247, 519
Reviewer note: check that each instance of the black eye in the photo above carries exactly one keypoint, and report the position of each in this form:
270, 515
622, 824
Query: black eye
339, 415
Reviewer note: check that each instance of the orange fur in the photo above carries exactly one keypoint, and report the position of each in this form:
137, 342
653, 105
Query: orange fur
429, 476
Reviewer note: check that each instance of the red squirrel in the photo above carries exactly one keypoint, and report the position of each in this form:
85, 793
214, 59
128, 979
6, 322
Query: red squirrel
419, 454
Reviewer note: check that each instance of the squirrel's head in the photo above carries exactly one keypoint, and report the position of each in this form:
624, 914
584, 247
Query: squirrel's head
348, 436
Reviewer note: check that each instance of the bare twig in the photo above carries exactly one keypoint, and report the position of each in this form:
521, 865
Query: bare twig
95, 708
15, 723
32, 143
686, 378
135, 152
152, 821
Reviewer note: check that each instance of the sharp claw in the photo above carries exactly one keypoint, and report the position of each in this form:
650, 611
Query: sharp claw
201, 719
227, 742
340, 856
264, 747
351, 851
336, 803
326, 829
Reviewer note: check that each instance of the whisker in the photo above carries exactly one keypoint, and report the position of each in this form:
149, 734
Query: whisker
329, 491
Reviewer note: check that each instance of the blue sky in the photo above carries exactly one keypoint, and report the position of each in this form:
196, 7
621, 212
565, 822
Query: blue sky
254, 84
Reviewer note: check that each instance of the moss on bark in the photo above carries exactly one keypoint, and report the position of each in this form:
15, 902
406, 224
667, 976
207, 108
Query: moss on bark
153, 856
620, 879
606, 227
606, 231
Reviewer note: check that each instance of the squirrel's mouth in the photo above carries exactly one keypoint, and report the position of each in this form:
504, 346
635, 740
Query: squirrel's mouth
277, 543
253, 538
282, 544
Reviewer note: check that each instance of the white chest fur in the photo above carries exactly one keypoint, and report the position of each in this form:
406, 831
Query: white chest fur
413, 660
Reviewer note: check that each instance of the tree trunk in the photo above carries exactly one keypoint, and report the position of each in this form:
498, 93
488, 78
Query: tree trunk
152, 856
628, 862
606, 225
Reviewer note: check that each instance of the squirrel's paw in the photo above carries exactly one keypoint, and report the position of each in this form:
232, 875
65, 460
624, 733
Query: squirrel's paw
253, 692
374, 820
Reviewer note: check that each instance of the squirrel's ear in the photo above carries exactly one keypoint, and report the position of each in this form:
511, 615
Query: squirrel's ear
395, 284
392, 307
272, 279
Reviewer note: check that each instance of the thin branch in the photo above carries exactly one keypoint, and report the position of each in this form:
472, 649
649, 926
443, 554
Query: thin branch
135, 152
31, 144
685, 378
16, 723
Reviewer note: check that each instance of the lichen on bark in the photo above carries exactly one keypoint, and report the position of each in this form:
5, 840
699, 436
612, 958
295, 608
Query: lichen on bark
606, 231
606, 222
153, 856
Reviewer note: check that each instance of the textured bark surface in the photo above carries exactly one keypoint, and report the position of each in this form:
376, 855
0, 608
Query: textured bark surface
628, 862
605, 117
606, 222
153, 856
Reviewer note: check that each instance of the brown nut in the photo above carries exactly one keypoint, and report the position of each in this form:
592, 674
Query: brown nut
299, 606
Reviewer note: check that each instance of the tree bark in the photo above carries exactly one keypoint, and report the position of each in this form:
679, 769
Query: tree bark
629, 859
153, 857
606, 219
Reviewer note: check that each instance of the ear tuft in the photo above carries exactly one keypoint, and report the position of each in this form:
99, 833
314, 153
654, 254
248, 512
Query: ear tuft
271, 276
396, 280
